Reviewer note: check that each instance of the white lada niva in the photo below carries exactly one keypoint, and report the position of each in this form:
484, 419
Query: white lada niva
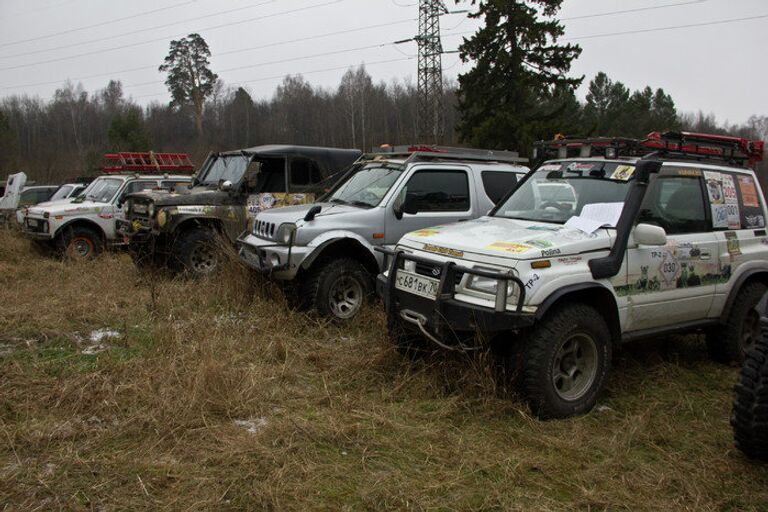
587, 253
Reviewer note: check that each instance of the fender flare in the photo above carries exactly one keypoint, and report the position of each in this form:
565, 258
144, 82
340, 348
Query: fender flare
320, 243
80, 220
736, 288
612, 321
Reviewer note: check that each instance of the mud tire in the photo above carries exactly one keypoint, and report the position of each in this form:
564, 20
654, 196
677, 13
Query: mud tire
81, 243
337, 288
729, 342
750, 406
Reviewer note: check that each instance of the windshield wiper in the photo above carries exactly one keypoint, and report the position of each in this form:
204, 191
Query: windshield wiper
361, 204
338, 201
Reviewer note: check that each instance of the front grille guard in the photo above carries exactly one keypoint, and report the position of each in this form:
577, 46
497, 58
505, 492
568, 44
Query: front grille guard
446, 290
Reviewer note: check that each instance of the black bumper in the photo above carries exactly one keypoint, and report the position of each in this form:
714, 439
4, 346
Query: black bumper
446, 318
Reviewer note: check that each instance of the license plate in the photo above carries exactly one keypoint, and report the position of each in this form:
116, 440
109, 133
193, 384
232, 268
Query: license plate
416, 284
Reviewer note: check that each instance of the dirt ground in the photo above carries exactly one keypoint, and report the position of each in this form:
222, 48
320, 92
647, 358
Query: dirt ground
124, 391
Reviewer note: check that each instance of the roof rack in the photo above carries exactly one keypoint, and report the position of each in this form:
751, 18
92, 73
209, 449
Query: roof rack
607, 147
147, 162
703, 146
426, 152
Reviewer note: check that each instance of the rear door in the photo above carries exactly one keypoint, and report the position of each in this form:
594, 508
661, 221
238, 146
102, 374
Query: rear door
441, 195
676, 283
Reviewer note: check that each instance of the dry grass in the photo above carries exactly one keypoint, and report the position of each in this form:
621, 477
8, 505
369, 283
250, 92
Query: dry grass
338, 420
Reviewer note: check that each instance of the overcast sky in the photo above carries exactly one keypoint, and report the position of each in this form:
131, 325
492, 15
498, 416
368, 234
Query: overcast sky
718, 68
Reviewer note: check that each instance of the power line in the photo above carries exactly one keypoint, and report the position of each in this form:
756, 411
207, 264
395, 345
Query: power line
229, 52
639, 9
164, 38
136, 31
86, 27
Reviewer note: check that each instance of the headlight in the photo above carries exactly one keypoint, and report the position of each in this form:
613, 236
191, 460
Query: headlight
490, 286
162, 218
285, 233
151, 210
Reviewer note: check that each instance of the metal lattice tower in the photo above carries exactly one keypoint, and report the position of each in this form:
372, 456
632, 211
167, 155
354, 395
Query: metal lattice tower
430, 87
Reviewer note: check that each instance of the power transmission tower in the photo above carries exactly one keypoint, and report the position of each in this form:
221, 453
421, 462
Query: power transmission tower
430, 86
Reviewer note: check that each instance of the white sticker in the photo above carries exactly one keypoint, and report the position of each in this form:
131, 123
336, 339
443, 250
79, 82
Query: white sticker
731, 202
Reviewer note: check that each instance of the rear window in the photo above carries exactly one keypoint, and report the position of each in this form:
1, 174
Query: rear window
497, 184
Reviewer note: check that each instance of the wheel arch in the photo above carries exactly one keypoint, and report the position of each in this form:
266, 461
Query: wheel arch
345, 247
84, 223
593, 294
190, 223
749, 276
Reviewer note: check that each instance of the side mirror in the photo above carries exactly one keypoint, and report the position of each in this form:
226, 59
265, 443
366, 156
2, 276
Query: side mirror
225, 186
648, 234
408, 206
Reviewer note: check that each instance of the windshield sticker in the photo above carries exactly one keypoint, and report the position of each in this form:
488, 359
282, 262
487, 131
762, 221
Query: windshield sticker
748, 192
509, 247
623, 172
443, 250
578, 166
755, 221
425, 233
734, 247
550, 167
691, 173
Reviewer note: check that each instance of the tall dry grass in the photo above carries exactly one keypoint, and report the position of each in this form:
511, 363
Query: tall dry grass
218, 396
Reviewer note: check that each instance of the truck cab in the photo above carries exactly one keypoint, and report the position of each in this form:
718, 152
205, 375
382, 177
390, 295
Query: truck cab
327, 248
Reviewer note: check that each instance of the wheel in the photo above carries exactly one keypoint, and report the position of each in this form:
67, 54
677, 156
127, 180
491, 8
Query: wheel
565, 360
729, 342
197, 252
337, 288
750, 407
408, 343
80, 243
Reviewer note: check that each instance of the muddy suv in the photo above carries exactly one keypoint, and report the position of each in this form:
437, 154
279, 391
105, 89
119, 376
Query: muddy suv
671, 241
182, 231
84, 226
327, 248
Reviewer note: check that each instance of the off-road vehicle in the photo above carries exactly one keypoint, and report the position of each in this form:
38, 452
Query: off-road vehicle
84, 226
750, 407
327, 248
182, 231
670, 237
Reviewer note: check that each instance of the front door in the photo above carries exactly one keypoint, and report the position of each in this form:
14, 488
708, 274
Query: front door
674, 284
440, 196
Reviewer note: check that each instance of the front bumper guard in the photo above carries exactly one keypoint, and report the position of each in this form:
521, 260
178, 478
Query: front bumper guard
446, 312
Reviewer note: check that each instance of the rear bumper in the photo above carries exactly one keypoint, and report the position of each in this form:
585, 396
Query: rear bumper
446, 320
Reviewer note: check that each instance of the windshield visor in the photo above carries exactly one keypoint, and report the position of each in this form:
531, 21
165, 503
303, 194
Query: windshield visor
367, 186
558, 191
226, 168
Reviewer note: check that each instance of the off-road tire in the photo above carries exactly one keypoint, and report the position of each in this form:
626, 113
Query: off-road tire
726, 343
750, 407
559, 329
196, 252
407, 342
329, 276
80, 242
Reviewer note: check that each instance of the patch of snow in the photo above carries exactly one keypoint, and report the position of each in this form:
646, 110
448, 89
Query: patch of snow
603, 408
253, 425
102, 334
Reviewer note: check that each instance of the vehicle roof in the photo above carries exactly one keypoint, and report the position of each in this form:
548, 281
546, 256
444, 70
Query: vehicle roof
36, 187
678, 162
129, 176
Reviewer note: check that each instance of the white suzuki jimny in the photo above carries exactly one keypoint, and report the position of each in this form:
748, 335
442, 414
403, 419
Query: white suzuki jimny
653, 237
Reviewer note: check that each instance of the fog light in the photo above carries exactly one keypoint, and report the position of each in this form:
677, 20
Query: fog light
162, 218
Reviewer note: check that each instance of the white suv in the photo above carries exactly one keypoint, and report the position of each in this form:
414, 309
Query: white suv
84, 226
674, 241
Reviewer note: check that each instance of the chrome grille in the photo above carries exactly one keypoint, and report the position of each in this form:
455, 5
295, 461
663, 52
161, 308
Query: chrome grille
264, 229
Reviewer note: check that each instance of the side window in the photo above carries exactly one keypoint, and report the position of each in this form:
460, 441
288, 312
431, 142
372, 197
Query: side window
498, 183
750, 210
304, 173
676, 203
438, 191
137, 186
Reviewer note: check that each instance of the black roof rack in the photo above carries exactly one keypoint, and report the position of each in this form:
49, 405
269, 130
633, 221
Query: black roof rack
431, 153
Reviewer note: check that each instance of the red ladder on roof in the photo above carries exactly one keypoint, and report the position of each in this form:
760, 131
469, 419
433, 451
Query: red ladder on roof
147, 162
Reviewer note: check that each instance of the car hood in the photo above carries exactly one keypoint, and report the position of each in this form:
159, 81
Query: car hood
204, 196
507, 238
296, 214
67, 207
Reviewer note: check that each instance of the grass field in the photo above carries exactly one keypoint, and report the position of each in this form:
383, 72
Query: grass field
214, 395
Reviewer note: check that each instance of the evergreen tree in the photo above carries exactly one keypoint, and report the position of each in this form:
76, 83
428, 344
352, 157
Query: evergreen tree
8, 146
127, 132
190, 79
517, 87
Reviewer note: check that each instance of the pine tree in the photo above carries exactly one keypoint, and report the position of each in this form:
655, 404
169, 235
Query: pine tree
517, 87
127, 132
190, 79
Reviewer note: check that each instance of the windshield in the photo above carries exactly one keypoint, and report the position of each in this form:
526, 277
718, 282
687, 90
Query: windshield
225, 168
62, 193
102, 190
558, 191
367, 186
